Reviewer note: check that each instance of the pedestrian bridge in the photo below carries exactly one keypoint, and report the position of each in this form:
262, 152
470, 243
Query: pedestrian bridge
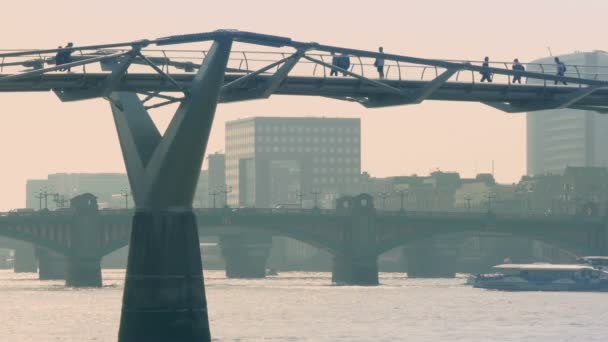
271, 65
164, 296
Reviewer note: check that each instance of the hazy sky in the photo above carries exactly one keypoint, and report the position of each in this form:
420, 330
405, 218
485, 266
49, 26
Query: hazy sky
41, 135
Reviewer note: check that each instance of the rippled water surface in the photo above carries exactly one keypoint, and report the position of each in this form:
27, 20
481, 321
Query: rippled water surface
305, 307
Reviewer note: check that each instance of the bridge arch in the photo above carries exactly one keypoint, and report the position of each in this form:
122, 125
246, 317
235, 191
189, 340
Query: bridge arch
575, 246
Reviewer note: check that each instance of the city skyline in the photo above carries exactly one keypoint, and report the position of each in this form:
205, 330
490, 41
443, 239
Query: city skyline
45, 136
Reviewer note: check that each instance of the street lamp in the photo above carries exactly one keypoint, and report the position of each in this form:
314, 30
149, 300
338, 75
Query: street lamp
384, 196
226, 189
214, 194
403, 193
300, 195
126, 194
490, 196
316, 194
468, 198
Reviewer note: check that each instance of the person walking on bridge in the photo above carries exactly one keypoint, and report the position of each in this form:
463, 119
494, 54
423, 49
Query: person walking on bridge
561, 70
64, 56
344, 60
518, 68
486, 75
379, 63
334, 61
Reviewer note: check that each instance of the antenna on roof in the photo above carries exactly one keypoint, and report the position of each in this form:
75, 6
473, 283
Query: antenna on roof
550, 52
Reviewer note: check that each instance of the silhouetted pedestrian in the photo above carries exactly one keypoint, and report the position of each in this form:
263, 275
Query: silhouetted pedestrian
486, 75
561, 69
59, 56
379, 63
344, 62
518, 68
67, 58
334, 61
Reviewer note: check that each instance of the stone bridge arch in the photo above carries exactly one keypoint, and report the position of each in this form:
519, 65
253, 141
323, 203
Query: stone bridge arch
577, 236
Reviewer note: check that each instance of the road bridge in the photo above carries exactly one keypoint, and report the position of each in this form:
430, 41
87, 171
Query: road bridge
164, 295
355, 235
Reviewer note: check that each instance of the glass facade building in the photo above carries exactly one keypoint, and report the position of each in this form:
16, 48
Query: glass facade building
568, 137
274, 161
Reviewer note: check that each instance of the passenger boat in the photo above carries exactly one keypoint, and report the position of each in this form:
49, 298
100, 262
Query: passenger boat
599, 262
544, 277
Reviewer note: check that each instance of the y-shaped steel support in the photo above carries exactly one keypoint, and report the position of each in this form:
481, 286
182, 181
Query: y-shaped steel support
164, 296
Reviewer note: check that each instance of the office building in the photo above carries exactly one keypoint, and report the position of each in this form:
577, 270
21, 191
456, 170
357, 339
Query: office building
568, 137
274, 161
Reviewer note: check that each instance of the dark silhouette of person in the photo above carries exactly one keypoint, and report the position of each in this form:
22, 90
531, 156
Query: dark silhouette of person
335, 60
486, 75
379, 63
59, 56
67, 58
518, 68
344, 62
561, 70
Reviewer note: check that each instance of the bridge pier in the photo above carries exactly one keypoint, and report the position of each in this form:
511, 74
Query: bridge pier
84, 256
430, 259
51, 265
246, 255
357, 261
25, 258
164, 296
355, 270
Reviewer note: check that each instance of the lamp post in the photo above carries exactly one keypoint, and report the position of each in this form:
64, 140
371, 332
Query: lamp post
226, 190
43, 193
126, 194
468, 199
384, 196
315, 193
403, 194
213, 194
490, 196
300, 195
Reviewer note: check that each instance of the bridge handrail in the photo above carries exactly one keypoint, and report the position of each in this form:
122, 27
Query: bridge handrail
184, 60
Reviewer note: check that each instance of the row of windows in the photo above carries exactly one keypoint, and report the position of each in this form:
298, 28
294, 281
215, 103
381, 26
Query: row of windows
335, 180
332, 160
315, 140
338, 170
300, 129
308, 149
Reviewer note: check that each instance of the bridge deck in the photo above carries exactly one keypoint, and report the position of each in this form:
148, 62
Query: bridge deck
314, 86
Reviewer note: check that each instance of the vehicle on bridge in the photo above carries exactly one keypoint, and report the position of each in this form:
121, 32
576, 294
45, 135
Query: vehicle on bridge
543, 277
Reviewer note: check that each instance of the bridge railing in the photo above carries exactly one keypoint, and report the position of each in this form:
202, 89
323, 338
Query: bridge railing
247, 61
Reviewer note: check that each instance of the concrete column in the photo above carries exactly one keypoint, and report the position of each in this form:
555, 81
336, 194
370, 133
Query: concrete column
246, 255
83, 272
52, 265
164, 280
357, 261
164, 296
355, 270
25, 258
84, 256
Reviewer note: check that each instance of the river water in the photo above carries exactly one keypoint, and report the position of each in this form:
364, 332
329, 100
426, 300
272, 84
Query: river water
305, 307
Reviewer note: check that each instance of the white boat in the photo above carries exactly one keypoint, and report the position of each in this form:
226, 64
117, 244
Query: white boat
544, 277
599, 262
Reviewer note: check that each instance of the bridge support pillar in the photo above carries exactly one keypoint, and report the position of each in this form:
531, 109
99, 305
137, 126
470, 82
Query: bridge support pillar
246, 255
84, 256
25, 259
355, 270
164, 296
51, 265
431, 259
357, 262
